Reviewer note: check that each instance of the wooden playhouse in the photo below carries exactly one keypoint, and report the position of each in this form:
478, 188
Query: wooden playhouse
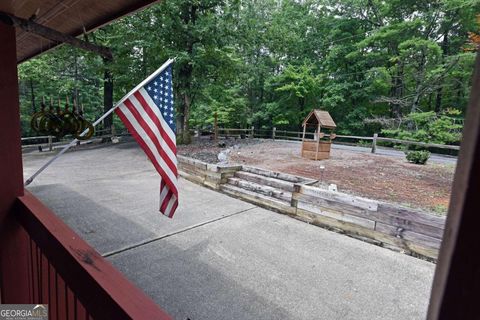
318, 148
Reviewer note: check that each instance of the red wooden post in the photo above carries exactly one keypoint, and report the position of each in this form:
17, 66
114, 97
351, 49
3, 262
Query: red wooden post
457, 282
11, 174
13, 264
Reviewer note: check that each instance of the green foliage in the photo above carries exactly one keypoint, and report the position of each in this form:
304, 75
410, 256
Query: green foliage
353, 123
268, 63
429, 127
440, 209
293, 89
417, 157
229, 105
364, 143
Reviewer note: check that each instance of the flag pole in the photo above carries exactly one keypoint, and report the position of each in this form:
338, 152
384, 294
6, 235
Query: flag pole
74, 141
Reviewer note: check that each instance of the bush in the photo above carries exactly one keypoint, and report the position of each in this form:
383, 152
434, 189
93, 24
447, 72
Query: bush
400, 147
364, 143
417, 157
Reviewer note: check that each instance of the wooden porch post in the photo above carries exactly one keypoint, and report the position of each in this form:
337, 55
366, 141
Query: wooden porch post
13, 241
11, 175
457, 282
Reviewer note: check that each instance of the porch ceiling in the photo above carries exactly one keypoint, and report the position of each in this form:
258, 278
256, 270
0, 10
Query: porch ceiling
66, 16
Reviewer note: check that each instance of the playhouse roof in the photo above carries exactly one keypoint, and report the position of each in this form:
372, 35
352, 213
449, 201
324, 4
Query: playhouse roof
317, 116
66, 16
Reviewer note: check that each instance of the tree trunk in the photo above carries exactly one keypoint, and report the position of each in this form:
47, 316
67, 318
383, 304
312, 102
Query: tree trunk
107, 94
185, 78
302, 102
185, 74
438, 100
419, 83
186, 138
416, 100
75, 81
34, 109
396, 89
397, 92
144, 62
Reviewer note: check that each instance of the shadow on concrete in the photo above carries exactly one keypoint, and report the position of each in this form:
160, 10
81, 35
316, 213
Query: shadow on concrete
189, 288
175, 278
101, 227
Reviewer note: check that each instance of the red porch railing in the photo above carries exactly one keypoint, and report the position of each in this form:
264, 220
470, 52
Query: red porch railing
64, 272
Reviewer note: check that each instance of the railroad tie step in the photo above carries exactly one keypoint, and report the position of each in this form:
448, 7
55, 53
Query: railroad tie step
264, 180
260, 189
277, 175
254, 197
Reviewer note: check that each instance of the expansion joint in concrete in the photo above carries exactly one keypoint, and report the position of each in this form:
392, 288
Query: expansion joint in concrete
115, 252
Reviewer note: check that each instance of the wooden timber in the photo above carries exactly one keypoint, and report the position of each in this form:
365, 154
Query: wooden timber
68, 17
316, 150
54, 35
278, 175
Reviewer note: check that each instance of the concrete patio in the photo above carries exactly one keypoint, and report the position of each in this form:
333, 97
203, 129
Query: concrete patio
219, 257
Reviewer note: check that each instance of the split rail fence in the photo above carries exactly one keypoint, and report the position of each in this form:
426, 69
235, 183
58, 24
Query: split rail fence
276, 134
48, 142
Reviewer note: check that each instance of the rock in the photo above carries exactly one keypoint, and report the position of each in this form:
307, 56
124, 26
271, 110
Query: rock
332, 187
223, 155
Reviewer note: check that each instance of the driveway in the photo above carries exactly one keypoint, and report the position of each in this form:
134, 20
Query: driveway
219, 257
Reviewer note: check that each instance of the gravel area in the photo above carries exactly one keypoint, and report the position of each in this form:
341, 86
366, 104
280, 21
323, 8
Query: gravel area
374, 176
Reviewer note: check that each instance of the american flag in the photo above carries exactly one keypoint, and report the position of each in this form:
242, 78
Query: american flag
149, 115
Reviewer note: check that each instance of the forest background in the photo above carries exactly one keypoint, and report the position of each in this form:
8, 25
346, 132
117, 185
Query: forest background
400, 67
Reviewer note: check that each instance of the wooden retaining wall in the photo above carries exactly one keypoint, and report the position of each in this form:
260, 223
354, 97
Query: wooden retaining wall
206, 174
389, 225
400, 228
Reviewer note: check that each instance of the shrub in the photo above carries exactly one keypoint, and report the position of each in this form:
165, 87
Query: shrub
400, 147
364, 143
417, 157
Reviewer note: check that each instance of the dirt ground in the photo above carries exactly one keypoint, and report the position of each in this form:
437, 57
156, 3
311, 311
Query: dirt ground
390, 179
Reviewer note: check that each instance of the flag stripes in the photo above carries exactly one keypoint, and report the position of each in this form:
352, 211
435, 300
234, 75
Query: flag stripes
154, 132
